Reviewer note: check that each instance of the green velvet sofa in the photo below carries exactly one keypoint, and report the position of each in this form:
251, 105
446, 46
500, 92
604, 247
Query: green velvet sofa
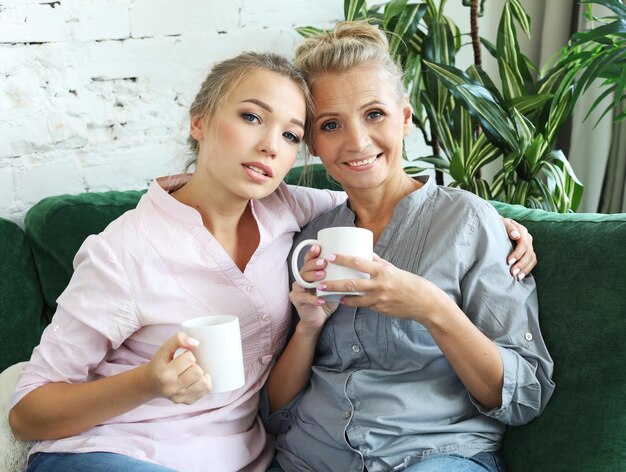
581, 280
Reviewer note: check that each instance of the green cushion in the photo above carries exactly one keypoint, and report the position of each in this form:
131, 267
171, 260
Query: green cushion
57, 226
21, 304
311, 175
581, 285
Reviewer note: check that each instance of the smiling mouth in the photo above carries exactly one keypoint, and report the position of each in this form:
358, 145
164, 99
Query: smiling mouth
363, 162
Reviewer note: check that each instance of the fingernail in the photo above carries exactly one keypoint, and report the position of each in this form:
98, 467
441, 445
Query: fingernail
521, 276
321, 287
193, 341
332, 257
319, 273
319, 262
512, 261
321, 301
515, 234
313, 248
515, 271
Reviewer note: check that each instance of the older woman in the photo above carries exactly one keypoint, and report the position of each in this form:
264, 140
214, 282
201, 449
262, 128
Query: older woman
424, 371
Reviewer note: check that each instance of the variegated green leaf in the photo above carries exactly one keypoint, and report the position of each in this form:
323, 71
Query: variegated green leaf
353, 8
308, 31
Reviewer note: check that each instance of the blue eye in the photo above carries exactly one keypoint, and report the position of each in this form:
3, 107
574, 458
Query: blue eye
330, 126
372, 115
251, 117
291, 137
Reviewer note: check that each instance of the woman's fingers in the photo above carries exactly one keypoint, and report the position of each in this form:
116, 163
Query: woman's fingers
523, 258
313, 267
300, 296
522, 267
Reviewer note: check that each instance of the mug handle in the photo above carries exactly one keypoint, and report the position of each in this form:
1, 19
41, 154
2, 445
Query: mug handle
294, 263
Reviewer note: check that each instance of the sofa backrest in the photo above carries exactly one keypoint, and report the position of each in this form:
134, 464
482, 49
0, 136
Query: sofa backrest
21, 303
581, 284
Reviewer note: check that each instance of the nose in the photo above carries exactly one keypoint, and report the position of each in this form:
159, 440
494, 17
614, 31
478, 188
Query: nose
268, 145
358, 138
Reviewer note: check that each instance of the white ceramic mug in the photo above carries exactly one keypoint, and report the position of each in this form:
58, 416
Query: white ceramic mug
220, 353
345, 240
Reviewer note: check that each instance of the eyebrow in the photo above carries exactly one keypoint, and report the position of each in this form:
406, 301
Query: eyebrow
362, 107
265, 106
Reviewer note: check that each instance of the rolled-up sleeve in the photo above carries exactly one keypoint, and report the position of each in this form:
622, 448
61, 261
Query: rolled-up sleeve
277, 422
506, 310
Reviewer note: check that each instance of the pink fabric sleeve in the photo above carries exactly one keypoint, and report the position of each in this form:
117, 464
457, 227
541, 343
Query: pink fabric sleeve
309, 203
94, 314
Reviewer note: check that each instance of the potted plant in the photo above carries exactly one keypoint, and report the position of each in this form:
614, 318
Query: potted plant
469, 121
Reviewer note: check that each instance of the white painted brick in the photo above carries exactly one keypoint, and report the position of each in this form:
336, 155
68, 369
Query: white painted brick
168, 17
322, 13
133, 166
7, 190
33, 23
98, 20
46, 174
23, 135
67, 20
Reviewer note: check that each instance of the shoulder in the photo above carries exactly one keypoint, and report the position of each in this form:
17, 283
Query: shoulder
304, 203
463, 206
466, 218
121, 236
329, 219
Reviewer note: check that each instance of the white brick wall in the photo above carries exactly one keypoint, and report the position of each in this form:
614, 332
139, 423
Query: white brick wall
94, 93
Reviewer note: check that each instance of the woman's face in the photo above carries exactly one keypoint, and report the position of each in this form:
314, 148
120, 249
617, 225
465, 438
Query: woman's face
359, 126
250, 144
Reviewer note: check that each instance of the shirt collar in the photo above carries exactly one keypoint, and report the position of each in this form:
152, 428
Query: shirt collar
159, 194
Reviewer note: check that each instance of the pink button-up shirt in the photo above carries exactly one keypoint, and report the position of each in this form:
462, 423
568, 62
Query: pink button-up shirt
133, 285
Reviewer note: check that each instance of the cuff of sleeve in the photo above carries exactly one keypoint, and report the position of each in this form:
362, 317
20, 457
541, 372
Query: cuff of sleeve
279, 421
509, 363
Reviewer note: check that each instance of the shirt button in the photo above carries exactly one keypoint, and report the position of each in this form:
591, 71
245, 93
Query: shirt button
250, 288
528, 337
285, 414
347, 415
265, 317
356, 348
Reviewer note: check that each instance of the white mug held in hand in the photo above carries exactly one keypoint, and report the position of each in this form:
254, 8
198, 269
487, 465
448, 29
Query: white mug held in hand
345, 240
219, 353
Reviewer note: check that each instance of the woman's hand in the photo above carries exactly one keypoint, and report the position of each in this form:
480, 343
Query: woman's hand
523, 258
391, 291
178, 378
313, 310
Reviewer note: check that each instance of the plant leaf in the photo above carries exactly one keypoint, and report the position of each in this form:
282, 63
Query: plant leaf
308, 31
352, 7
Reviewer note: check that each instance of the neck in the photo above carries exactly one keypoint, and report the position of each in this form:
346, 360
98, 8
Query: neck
374, 206
220, 211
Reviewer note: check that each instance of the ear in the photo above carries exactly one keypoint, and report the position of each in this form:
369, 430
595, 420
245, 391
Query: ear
408, 116
196, 127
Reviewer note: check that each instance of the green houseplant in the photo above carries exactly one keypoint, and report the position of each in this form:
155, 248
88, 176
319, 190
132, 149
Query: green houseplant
470, 122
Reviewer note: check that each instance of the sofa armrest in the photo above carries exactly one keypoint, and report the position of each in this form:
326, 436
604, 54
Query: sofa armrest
13, 452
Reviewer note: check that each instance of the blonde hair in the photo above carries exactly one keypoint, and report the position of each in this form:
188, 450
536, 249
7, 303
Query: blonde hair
349, 44
225, 76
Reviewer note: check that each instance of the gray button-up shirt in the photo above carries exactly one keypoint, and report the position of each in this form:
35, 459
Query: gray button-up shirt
382, 396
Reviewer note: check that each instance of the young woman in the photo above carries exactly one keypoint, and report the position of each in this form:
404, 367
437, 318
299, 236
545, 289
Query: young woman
103, 390
424, 371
